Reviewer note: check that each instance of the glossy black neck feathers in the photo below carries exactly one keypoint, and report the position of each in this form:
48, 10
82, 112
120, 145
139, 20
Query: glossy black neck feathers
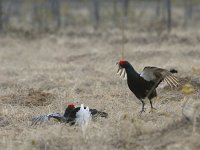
130, 70
68, 111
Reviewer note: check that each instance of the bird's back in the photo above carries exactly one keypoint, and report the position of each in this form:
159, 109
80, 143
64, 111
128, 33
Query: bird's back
72, 115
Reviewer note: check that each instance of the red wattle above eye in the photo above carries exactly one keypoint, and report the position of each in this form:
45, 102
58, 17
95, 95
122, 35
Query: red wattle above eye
122, 62
71, 105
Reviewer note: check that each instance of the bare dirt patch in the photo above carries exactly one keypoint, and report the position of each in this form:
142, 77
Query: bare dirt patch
28, 97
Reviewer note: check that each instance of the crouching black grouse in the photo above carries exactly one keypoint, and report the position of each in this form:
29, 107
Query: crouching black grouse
71, 114
144, 85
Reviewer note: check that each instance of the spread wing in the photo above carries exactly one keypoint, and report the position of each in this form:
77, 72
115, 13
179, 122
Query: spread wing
158, 74
96, 113
45, 118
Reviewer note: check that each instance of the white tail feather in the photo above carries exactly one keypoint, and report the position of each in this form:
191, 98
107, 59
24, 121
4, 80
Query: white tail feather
83, 116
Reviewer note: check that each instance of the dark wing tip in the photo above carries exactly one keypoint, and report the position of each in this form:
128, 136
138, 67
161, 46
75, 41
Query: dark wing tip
97, 113
173, 71
103, 114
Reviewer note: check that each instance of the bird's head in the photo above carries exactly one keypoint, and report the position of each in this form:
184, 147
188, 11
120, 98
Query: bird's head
122, 63
71, 106
69, 109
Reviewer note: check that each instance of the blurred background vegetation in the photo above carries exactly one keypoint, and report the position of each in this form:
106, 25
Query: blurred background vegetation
143, 15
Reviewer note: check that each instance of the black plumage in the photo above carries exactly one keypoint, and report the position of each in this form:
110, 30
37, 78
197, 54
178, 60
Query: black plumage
144, 85
69, 115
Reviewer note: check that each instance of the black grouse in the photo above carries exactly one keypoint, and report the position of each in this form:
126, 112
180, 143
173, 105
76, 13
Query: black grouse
69, 116
144, 85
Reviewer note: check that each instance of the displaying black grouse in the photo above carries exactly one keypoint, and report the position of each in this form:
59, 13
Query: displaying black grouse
144, 85
69, 115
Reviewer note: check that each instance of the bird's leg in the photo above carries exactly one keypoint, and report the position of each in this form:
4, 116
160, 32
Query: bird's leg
152, 108
143, 109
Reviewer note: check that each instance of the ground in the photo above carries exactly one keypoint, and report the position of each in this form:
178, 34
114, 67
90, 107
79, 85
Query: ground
42, 74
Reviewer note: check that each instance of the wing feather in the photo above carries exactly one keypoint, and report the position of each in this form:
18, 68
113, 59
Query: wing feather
154, 74
44, 118
168, 82
173, 80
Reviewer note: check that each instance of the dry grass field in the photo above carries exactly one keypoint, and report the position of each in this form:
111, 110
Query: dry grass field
43, 74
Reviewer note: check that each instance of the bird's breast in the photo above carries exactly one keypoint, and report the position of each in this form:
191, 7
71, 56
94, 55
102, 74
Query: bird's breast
138, 87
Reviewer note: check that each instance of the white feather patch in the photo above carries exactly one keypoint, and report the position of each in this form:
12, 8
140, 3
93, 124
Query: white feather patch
147, 76
83, 116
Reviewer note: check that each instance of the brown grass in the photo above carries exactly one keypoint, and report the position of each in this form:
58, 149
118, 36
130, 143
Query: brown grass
43, 75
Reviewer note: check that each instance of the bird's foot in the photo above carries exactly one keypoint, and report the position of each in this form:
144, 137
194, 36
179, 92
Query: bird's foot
143, 110
152, 110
